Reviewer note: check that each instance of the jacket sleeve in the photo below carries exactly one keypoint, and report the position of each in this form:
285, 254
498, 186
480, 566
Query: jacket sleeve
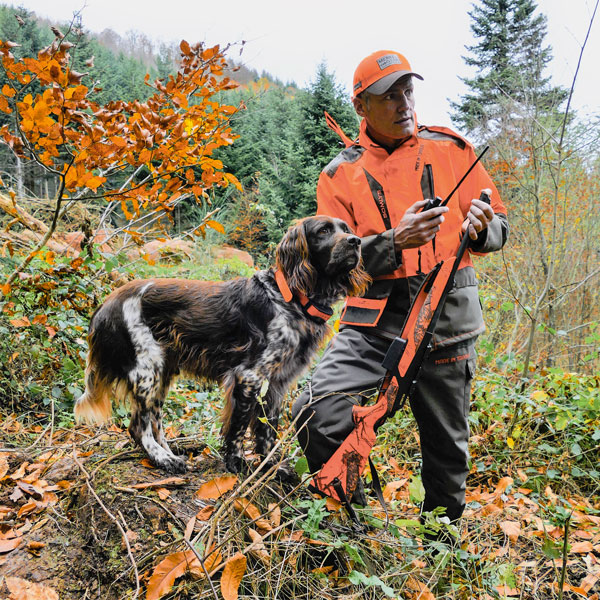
495, 235
378, 252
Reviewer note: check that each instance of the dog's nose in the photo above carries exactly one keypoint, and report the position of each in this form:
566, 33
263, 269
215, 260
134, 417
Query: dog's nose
354, 240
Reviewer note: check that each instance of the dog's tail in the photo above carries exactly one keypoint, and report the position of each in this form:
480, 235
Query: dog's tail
94, 405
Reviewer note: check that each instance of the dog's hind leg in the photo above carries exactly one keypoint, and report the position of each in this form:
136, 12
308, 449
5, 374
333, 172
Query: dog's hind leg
156, 416
146, 429
148, 384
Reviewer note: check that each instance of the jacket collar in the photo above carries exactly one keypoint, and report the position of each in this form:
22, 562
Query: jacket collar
318, 313
366, 141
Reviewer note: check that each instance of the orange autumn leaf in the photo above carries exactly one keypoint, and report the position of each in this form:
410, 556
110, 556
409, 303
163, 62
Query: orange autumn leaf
21, 589
9, 545
505, 590
3, 466
20, 472
184, 47
581, 548
257, 548
167, 571
332, 505
212, 559
8, 91
233, 572
421, 589
205, 513
216, 226
189, 529
512, 529
163, 493
95, 182
274, 514
35, 545
22, 322
503, 484
52, 331
215, 488
4, 105
490, 509
244, 506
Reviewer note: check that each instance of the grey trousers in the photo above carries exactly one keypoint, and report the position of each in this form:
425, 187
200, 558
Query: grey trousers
349, 373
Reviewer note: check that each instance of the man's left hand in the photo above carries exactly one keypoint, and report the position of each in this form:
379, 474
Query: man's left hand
479, 217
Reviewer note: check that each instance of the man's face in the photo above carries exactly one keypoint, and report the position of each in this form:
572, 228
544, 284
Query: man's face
390, 117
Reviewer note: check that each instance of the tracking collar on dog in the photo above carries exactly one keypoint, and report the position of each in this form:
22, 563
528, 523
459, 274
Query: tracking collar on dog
319, 313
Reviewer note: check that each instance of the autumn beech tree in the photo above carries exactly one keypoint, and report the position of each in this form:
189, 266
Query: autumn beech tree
143, 157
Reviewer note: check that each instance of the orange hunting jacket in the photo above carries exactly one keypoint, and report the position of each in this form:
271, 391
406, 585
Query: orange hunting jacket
371, 189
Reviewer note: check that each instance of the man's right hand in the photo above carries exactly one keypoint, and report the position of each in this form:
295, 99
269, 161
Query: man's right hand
417, 228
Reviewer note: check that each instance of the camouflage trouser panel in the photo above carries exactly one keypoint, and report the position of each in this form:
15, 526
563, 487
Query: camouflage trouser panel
349, 374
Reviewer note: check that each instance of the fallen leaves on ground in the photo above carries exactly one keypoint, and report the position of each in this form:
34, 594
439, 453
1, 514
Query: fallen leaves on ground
217, 487
233, 572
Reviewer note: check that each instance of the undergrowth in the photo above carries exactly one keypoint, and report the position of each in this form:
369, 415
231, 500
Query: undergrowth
532, 491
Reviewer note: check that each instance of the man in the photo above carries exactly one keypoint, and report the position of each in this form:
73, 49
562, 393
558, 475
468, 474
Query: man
379, 186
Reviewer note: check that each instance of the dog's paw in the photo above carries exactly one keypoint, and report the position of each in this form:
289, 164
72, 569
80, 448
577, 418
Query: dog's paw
172, 464
285, 473
234, 464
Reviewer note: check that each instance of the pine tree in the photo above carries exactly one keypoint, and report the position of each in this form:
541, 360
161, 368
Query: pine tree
510, 58
319, 143
285, 143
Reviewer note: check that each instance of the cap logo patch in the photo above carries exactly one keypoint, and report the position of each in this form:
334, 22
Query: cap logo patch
389, 59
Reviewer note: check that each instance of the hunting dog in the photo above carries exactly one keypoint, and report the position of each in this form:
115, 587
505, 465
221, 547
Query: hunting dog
253, 336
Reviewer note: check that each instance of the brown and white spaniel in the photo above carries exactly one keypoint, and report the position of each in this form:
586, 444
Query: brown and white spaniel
253, 336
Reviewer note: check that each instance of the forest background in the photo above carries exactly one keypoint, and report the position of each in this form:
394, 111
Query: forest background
108, 174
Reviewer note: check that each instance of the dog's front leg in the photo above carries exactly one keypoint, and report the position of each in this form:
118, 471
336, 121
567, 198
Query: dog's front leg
243, 407
267, 419
266, 426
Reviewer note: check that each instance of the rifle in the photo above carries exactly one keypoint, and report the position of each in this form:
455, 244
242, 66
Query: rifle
340, 475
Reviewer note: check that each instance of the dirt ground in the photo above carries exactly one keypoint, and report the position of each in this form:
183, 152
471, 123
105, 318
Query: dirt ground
72, 508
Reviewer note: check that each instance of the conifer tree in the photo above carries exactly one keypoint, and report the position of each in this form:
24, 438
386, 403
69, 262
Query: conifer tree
319, 143
510, 58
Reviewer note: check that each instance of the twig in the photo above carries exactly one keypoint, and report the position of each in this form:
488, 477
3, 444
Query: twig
565, 548
51, 424
114, 520
40, 244
201, 561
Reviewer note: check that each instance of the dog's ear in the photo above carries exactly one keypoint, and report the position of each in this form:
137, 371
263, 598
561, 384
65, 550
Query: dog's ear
293, 259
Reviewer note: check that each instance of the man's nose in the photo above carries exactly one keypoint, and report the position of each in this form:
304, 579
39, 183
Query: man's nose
403, 103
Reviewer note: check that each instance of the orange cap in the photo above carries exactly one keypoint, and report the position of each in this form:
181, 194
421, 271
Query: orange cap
379, 71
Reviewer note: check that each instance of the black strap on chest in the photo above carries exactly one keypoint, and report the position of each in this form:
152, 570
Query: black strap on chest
379, 198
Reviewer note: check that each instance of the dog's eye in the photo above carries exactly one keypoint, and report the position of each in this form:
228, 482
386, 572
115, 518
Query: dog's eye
325, 230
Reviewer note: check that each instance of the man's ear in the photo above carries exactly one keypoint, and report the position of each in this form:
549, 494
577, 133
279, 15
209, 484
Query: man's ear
359, 106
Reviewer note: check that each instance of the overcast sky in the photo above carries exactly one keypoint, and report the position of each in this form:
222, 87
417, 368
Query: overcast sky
290, 39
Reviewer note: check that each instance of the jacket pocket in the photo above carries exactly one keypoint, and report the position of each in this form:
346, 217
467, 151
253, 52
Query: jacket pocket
364, 312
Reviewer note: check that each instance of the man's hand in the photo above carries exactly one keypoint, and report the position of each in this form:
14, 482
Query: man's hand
480, 214
417, 228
